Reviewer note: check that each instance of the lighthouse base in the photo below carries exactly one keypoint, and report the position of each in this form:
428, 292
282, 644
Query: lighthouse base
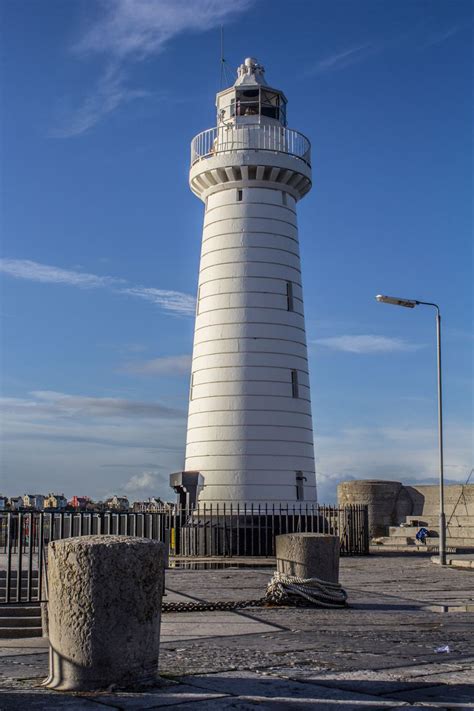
243, 535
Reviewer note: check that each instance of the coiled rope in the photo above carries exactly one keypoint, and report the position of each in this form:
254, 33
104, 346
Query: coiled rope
283, 589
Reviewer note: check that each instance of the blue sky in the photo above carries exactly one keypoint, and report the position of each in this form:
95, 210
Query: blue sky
101, 234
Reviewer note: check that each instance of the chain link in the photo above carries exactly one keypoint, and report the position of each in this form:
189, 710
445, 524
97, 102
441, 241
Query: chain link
209, 606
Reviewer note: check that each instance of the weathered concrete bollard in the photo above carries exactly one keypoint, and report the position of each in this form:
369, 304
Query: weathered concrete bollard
104, 611
308, 555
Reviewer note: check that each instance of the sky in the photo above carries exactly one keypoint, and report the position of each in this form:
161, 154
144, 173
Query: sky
101, 234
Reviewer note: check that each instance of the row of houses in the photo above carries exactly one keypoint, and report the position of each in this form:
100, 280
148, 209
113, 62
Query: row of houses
58, 502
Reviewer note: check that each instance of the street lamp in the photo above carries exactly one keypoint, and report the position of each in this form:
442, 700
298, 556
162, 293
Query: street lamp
410, 304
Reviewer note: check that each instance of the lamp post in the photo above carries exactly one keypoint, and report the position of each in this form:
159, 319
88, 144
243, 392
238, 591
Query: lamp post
410, 304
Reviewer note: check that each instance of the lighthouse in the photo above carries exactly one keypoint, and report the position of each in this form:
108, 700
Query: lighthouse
249, 433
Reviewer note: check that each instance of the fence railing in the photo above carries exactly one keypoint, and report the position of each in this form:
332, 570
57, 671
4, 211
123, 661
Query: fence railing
202, 532
262, 137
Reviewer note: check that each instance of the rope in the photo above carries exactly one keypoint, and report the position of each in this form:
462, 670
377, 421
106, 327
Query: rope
283, 589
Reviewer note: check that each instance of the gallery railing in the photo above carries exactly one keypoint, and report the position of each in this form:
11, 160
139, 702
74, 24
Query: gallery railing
204, 532
250, 136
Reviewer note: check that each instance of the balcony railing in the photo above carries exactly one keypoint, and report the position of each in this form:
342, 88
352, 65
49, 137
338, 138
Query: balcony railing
261, 137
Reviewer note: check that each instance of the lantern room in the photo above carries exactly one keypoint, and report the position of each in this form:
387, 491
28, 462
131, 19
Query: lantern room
251, 100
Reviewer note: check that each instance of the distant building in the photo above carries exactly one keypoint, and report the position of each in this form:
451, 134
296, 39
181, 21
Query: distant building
55, 501
3, 503
152, 505
15, 503
117, 503
81, 503
33, 501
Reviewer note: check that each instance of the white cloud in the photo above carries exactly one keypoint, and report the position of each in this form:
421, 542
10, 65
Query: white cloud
145, 480
88, 444
166, 365
140, 28
407, 454
44, 273
174, 302
366, 344
130, 31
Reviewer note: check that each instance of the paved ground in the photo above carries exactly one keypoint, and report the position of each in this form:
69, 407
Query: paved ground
378, 654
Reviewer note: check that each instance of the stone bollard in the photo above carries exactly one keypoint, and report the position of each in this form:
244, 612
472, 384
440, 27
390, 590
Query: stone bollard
104, 611
308, 555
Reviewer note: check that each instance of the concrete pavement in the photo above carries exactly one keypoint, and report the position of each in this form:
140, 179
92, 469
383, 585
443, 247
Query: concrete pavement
377, 654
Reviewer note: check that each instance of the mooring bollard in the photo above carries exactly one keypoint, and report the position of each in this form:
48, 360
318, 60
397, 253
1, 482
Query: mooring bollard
308, 555
104, 611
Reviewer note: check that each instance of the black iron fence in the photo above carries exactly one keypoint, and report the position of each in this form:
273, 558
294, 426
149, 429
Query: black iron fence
206, 531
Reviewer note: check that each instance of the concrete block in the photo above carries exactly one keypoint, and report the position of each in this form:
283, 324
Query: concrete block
308, 555
104, 611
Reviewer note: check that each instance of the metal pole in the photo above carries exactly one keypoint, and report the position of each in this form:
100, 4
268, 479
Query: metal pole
442, 515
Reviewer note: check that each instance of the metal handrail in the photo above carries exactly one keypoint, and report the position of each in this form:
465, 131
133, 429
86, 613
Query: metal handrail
262, 137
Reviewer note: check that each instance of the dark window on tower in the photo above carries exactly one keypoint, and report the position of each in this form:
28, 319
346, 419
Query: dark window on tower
289, 296
300, 479
191, 387
240, 194
284, 197
294, 383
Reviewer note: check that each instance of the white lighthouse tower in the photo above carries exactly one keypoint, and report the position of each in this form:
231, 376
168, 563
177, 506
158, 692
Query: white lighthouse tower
250, 433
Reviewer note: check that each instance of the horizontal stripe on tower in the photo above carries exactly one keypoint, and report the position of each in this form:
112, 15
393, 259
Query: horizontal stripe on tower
248, 300
250, 314
247, 403
252, 255
250, 433
257, 419
237, 388
238, 211
250, 239
249, 461
258, 360
256, 195
250, 224
255, 329
244, 284
248, 373
249, 448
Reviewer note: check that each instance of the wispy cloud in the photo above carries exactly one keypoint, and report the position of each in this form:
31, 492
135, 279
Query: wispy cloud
174, 302
166, 365
366, 344
110, 93
344, 58
46, 274
73, 405
140, 28
128, 31
419, 38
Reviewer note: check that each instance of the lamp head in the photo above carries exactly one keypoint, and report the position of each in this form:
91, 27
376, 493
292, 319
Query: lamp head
396, 301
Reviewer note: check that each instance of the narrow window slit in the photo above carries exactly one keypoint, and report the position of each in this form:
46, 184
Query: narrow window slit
294, 383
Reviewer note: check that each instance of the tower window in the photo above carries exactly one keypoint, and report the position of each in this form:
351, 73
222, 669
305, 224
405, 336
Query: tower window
191, 387
284, 197
289, 296
294, 383
300, 479
240, 194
